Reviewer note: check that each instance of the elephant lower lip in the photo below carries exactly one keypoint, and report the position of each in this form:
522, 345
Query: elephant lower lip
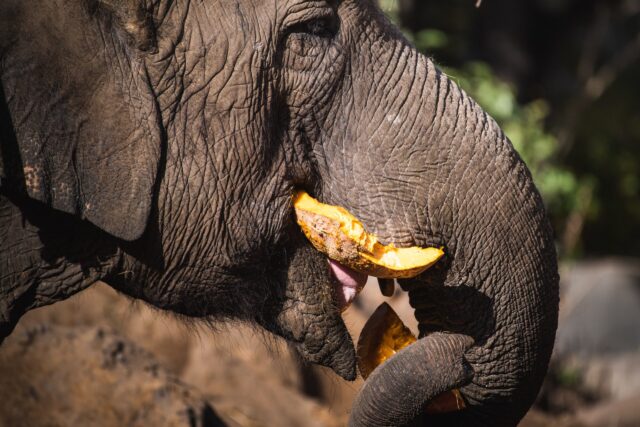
347, 284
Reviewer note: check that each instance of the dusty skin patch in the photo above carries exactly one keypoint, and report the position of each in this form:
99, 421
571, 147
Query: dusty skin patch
31, 179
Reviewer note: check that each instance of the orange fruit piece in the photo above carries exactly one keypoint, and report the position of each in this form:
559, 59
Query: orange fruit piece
382, 337
335, 232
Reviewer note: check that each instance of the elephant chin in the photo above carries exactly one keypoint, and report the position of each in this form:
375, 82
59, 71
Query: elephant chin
308, 315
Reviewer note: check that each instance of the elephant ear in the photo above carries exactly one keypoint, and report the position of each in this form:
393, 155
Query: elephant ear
79, 127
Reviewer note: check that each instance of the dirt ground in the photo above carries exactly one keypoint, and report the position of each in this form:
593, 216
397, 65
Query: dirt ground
97, 350
102, 359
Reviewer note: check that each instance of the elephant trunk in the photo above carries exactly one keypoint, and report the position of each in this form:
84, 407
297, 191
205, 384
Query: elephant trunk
396, 394
438, 171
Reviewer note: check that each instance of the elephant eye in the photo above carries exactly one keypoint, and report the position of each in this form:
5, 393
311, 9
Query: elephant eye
325, 27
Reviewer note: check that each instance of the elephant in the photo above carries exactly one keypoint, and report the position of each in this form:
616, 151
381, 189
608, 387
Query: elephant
155, 145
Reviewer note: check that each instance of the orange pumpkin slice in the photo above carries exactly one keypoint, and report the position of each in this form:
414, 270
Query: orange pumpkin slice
382, 337
335, 232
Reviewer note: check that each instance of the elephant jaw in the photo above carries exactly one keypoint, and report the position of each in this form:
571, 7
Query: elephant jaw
347, 284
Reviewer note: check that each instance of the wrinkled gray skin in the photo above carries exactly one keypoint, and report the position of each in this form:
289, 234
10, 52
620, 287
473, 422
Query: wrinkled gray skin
155, 145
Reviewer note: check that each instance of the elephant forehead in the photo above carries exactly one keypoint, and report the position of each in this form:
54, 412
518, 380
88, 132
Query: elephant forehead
206, 54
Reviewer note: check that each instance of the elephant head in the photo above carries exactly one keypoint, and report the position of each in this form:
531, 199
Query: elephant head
156, 144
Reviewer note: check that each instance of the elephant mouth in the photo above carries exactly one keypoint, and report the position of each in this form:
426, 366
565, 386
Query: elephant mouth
318, 290
329, 265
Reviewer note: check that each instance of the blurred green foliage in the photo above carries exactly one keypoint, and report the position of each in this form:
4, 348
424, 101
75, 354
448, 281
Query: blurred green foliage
583, 150
524, 124
568, 377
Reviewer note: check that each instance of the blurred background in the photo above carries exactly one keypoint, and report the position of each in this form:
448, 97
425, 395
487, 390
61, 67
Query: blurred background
562, 79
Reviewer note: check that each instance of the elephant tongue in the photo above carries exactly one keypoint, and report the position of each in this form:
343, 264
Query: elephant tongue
347, 284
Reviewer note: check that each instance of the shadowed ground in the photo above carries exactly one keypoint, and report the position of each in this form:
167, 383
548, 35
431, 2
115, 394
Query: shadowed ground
101, 359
